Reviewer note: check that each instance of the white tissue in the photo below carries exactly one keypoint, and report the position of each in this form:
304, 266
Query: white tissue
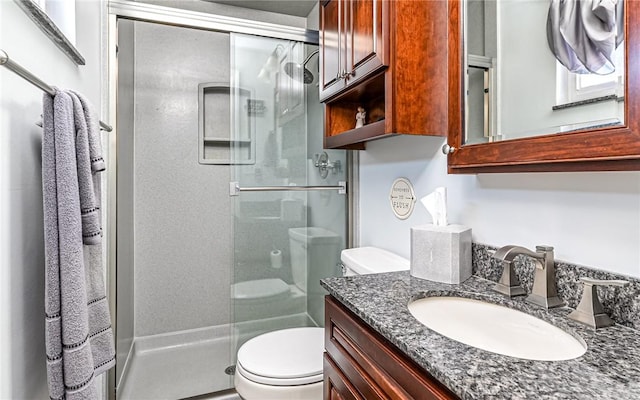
436, 204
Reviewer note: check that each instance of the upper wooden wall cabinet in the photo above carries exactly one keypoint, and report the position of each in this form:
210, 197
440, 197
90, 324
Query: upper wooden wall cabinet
600, 149
389, 57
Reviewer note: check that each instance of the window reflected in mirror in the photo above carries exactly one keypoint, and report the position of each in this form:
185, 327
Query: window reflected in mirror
538, 67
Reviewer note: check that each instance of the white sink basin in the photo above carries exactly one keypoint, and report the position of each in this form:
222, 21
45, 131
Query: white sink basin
496, 329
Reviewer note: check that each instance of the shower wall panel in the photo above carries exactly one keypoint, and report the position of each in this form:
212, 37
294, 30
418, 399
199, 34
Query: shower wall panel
326, 209
182, 220
125, 229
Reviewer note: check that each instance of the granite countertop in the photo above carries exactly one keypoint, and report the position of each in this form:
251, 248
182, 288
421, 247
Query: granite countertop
610, 368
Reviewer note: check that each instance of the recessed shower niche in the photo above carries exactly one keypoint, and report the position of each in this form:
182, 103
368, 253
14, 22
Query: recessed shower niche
225, 125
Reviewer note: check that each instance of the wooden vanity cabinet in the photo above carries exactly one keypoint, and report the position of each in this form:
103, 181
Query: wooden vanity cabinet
389, 57
360, 364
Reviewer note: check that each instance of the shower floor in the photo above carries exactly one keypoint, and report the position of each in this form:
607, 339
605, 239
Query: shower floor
190, 363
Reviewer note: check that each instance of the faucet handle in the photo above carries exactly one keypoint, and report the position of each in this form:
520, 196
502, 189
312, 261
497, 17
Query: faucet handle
590, 311
544, 247
603, 282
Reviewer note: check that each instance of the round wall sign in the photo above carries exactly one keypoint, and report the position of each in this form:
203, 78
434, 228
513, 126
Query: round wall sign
402, 198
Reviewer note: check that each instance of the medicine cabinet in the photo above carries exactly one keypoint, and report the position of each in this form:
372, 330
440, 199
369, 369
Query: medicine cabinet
592, 146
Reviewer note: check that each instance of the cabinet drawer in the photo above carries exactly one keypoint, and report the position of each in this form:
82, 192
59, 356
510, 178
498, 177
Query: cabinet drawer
373, 366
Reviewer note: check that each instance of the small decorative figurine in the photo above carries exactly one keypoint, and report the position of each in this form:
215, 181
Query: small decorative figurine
360, 116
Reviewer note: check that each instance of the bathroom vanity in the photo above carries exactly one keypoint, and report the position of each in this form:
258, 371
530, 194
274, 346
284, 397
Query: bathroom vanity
375, 349
362, 364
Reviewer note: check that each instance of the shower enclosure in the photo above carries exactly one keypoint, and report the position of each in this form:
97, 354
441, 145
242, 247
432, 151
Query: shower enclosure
228, 212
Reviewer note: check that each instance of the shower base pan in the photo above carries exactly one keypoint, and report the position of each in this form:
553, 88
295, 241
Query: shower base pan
183, 364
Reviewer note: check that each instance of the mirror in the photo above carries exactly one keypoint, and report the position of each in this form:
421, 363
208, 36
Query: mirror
541, 67
592, 144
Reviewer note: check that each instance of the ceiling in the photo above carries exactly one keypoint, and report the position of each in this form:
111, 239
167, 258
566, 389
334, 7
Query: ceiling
299, 8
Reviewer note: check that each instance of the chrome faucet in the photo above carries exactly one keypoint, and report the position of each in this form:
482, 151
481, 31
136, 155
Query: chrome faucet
544, 291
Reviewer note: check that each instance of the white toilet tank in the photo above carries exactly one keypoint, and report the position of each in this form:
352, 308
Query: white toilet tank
371, 260
314, 255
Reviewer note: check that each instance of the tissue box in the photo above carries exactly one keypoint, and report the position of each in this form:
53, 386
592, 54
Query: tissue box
441, 253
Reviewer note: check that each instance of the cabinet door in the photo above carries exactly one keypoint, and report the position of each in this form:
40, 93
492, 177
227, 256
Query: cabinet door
365, 39
368, 365
336, 385
332, 46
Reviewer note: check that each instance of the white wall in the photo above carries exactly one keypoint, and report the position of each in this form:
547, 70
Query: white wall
592, 219
22, 353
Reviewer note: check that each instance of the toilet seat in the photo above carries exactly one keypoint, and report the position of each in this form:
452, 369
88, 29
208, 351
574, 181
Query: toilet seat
288, 357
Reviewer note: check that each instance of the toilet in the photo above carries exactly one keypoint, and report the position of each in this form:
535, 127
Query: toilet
371, 260
287, 363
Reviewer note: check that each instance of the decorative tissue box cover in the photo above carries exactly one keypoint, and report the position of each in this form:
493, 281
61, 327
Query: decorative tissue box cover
441, 253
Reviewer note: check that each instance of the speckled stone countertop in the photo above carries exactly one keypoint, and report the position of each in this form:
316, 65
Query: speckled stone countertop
610, 368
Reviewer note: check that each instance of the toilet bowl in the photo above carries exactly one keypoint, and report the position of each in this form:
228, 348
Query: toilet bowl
284, 364
287, 364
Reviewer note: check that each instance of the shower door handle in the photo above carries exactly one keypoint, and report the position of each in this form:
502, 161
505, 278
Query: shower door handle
235, 188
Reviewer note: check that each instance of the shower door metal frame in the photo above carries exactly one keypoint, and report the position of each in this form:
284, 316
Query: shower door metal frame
194, 19
137, 11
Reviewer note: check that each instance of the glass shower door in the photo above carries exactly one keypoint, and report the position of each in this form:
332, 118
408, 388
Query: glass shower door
289, 215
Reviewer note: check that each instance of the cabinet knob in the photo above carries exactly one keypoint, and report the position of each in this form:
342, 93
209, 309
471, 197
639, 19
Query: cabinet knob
346, 75
446, 149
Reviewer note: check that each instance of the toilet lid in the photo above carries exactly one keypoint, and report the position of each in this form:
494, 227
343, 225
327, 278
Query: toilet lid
259, 289
283, 358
